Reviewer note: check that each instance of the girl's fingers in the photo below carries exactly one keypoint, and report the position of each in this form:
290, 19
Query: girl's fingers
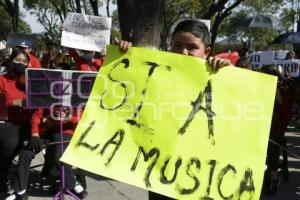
217, 63
116, 41
123, 45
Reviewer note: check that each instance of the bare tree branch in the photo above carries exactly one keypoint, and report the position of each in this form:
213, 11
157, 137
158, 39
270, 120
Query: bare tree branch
85, 7
214, 8
221, 15
61, 17
233, 6
72, 6
3, 5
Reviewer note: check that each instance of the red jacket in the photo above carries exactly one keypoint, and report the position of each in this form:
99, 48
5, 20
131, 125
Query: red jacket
33, 61
42, 123
82, 65
46, 60
13, 91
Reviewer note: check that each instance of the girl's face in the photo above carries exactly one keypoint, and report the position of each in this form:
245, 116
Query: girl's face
20, 58
187, 44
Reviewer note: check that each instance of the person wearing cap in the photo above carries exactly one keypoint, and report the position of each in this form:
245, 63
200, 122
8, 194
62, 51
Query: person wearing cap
33, 61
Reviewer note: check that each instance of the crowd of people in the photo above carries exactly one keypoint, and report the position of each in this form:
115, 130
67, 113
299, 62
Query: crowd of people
24, 132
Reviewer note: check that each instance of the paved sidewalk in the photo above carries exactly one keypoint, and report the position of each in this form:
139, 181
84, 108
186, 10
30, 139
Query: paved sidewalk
98, 188
105, 189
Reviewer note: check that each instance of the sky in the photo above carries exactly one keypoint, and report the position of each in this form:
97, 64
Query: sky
35, 26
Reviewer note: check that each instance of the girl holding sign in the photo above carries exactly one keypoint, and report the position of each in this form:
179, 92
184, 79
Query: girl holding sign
191, 38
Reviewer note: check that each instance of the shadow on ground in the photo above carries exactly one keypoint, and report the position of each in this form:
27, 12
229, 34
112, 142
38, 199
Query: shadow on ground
290, 190
41, 187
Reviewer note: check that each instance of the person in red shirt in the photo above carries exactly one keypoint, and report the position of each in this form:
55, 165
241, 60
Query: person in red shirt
45, 128
48, 57
33, 60
16, 126
86, 62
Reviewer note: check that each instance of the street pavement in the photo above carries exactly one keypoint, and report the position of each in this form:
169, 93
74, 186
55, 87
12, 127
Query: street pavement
105, 189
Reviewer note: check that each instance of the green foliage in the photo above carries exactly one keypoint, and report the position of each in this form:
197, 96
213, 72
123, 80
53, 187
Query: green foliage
288, 17
174, 11
47, 16
5, 22
263, 6
6, 25
51, 14
258, 38
115, 31
24, 27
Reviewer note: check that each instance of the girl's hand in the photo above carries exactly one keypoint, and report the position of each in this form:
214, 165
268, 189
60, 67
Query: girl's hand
18, 103
123, 45
218, 63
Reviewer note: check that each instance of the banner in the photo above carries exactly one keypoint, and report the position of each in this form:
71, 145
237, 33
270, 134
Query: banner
166, 123
46, 88
86, 32
277, 58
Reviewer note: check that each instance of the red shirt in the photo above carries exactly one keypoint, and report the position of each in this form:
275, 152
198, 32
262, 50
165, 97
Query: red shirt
33, 61
13, 91
41, 122
82, 64
46, 60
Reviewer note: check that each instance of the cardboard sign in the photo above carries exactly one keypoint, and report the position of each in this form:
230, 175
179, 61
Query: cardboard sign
166, 123
261, 58
86, 32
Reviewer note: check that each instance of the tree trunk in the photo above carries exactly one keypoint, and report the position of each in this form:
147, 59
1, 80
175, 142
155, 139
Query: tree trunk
78, 6
108, 8
94, 4
220, 11
12, 8
16, 15
141, 21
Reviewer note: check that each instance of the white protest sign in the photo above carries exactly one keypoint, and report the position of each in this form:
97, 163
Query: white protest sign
280, 54
86, 32
290, 66
261, 58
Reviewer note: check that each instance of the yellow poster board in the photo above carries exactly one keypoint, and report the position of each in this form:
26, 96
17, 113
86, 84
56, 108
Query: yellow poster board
166, 123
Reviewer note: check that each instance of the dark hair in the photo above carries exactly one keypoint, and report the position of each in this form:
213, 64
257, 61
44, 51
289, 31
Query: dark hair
290, 55
270, 69
197, 28
243, 52
243, 62
15, 53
